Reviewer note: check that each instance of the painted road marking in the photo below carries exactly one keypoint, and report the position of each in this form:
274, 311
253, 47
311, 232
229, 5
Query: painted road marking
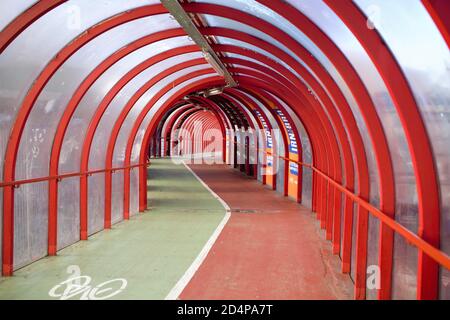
184, 280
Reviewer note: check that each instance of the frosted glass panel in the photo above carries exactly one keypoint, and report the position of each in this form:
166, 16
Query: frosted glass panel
117, 197
70, 154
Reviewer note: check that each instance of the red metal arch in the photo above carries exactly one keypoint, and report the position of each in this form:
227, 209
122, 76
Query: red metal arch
197, 85
171, 118
27, 105
439, 12
113, 138
417, 138
345, 111
215, 109
427, 290
329, 165
133, 138
262, 97
73, 105
364, 101
246, 110
116, 129
94, 27
209, 120
21, 22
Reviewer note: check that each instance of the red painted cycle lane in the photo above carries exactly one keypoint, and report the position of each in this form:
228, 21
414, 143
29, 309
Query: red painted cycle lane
271, 248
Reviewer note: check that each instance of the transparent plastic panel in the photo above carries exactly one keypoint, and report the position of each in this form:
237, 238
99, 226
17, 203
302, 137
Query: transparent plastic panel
73, 141
137, 144
372, 252
26, 56
406, 195
103, 132
11, 9
30, 223
1, 225
122, 139
353, 257
96, 203
134, 191
425, 60
68, 212
44, 117
404, 273
230, 41
117, 197
266, 14
238, 56
259, 10
281, 175
275, 19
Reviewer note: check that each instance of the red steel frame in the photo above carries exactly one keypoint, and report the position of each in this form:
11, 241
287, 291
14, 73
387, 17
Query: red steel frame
416, 136
21, 22
251, 119
172, 123
73, 104
388, 68
116, 129
439, 12
360, 92
199, 115
27, 105
349, 120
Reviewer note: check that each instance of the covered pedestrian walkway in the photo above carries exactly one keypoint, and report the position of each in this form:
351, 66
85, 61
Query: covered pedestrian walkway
319, 131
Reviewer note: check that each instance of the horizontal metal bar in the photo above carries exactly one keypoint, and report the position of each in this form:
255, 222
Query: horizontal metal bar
438, 255
68, 175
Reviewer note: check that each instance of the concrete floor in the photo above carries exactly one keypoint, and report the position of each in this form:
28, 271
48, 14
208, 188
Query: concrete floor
151, 251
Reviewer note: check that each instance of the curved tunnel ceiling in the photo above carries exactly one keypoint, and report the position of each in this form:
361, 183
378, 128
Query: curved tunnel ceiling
87, 85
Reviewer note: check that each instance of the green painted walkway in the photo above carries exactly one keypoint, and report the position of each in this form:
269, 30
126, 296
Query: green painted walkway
151, 251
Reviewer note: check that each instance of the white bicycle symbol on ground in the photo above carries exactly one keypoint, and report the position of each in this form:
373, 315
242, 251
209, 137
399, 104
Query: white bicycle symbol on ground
78, 284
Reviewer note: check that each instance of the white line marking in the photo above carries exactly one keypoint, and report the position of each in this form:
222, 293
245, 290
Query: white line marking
184, 280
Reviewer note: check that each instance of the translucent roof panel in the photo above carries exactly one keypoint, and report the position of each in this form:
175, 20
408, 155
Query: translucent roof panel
26, 56
122, 139
425, 59
144, 126
102, 134
10, 9
54, 98
238, 43
406, 192
70, 154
